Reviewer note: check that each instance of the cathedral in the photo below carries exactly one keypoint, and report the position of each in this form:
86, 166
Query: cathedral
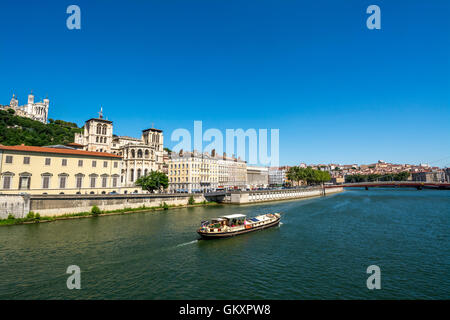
33, 110
139, 155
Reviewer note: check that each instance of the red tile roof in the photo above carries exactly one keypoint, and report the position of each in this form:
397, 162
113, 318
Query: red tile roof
59, 151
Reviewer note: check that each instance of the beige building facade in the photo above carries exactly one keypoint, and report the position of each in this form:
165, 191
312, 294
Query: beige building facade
58, 170
203, 172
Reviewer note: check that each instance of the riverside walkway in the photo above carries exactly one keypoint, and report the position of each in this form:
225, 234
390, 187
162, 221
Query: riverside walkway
254, 196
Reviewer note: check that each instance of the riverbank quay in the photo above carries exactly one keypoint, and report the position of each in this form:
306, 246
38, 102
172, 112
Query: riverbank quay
19, 206
256, 196
56, 205
33, 218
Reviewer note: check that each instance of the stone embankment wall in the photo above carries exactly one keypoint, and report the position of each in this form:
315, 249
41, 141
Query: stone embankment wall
54, 205
16, 205
275, 195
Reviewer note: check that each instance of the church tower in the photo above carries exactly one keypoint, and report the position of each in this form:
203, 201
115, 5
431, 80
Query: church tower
31, 98
29, 106
97, 134
154, 138
14, 103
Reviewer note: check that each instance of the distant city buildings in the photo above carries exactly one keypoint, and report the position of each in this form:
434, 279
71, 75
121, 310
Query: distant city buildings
277, 177
200, 172
421, 172
33, 110
447, 174
436, 176
257, 177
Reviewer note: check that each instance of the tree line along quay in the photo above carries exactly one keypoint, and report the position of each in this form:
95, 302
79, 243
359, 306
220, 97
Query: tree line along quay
402, 176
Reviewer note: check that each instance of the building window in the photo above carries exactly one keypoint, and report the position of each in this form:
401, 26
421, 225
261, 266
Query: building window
8, 159
105, 164
7, 182
79, 182
116, 164
26, 160
62, 182
104, 182
94, 163
93, 181
114, 182
24, 182
64, 162
47, 161
45, 182
80, 163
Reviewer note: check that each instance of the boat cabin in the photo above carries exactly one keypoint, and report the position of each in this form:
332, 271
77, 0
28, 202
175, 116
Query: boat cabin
234, 220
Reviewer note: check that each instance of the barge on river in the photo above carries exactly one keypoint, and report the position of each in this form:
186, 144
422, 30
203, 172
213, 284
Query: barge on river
236, 224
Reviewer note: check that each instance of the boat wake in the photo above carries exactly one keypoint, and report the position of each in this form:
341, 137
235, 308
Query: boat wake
187, 243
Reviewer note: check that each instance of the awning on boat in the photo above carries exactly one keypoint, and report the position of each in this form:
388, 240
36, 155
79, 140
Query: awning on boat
234, 216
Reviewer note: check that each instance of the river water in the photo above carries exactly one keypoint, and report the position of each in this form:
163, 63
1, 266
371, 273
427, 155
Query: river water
320, 251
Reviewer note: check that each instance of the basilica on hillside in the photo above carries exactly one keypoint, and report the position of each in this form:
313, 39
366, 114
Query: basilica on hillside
33, 110
139, 155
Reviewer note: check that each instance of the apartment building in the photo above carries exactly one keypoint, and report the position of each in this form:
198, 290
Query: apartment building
192, 172
200, 172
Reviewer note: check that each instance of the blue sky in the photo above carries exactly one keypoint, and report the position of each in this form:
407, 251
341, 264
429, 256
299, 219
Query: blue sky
337, 91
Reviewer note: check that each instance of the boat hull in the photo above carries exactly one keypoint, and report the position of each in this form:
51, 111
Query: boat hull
220, 235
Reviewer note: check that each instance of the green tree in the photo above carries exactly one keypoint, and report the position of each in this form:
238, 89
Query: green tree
296, 174
292, 174
96, 211
155, 180
321, 176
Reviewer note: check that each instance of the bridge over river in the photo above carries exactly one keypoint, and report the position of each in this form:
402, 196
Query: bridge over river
396, 184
